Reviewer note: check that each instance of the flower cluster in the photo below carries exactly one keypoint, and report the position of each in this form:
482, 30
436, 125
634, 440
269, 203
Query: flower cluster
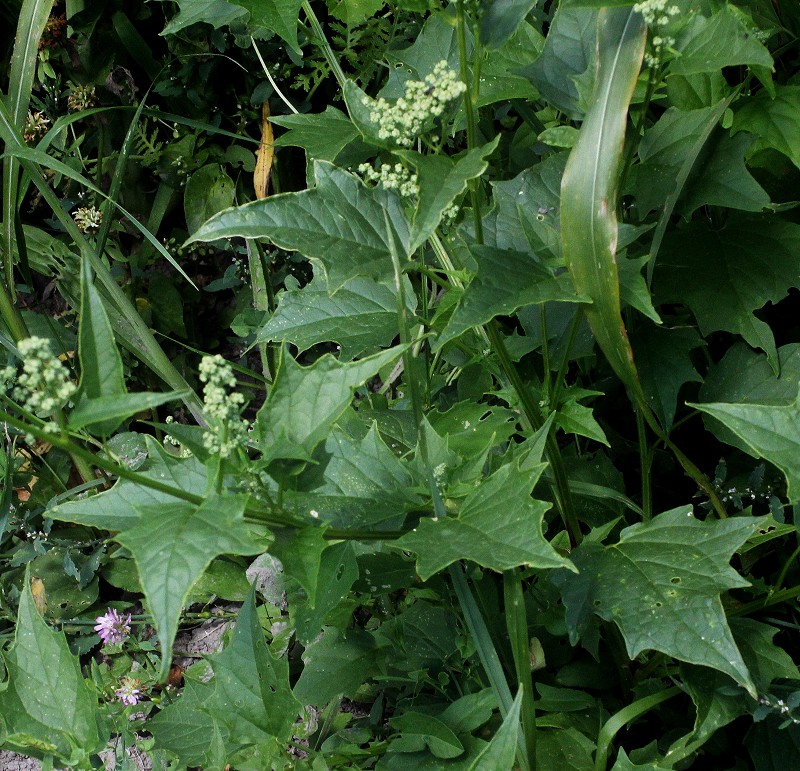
44, 384
396, 177
656, 13
36, 124
88, 218
422, 101
113, 627
222, 405
129, 691
82, 98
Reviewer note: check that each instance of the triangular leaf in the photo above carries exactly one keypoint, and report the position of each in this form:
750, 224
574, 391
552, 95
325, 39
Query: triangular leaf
499, 526
339, 222
173, 545
660, 584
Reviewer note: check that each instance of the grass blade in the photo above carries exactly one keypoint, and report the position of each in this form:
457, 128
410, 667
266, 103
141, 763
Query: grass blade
589, 189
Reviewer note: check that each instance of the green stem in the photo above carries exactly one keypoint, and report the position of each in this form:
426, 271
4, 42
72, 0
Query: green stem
785, 570
645, 460
11, 315
333, 62
618, 721
775, 598
517, 625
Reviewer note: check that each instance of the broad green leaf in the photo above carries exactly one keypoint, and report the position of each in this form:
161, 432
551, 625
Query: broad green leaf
118, 509
673, 141
300, 552
744, 376
765, 660
624, 763
500, 751
367, 468
501, 19
691, 92
725, 179
527, 214
772, 747
441, 180
589, 187
47, 708
469, 426
564, 748
209, 190
502, 74
499, 526
574, 418
469, 712
567, 54
278, 16
337, 664
660, 584
338, 571
663, 359
323, 135
710, 43
420, 731
251, 700
506, 281
770, 432
725, 275
353, 12
110, 410
362, 314
339, 223
174, 545
559, 136
184, 728
773, 121
218, 13
305, 401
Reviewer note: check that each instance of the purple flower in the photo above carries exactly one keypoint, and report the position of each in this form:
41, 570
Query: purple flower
128, 692
113, 627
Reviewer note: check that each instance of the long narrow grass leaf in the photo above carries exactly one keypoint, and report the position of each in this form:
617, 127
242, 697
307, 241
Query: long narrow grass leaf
589, 189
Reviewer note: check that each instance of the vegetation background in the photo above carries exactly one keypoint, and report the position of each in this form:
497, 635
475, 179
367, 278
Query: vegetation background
442, 357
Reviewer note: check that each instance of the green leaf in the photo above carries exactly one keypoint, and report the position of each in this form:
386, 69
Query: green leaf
300, 552
118, 508
110, 410
418, 731
725, 179
251, 701
278, 16
338, 571
663, 359
101, 364
710, 43
209, 190
773, 121
184, 728
770, 432
633, 288
336, 664
501, 19
574, 418
323, 135
527, 215
744, 376
305, 401
660, 584
174, 545
500, 751
499, 526
361, 315
725, 275
353, 12
338, 223
218, 13
765, 660
441, 180
506, 281
502, 75
589, 188
567, 54
48, 709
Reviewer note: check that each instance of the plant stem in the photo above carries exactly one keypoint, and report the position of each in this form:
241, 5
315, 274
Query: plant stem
11, 315
517, 625
645, 460
333, 62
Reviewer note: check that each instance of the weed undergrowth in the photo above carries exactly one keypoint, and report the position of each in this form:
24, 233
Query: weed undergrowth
439, 361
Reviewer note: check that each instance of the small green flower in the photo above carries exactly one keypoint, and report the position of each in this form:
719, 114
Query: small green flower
88, 218
226, 430
44, 384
